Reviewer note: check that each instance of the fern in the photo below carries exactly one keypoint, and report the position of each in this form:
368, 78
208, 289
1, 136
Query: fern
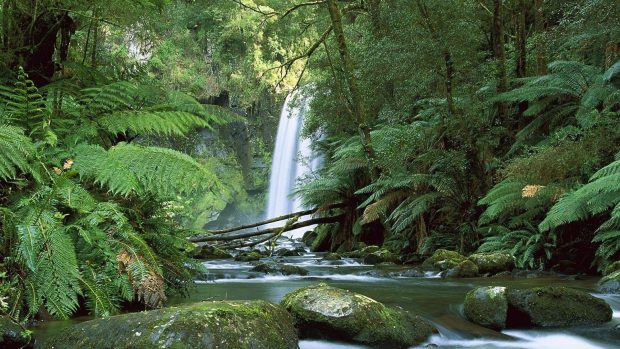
601, 194
127, 168
16, 150
151, 122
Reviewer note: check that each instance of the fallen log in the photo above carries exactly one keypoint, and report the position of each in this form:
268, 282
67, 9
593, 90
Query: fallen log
320, 220
275, 219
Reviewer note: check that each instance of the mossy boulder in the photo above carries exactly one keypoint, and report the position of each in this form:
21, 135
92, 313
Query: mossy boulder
381, 256
487, 306
285, 252
283, 269
443, 260
465, 269
12, 335
210, 252
610, 283
322, 311
309, 237
231, 324
493, 263
555, 306
332, 257
613, 267
248, 256
551, 306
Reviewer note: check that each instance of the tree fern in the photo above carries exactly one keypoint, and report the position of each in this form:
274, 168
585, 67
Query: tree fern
600, 195
128, 168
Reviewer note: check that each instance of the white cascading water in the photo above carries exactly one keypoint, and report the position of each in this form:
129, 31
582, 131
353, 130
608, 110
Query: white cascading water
293, 158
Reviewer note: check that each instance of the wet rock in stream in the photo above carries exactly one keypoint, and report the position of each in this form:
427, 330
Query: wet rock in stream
323, 311
551, 306
209, 325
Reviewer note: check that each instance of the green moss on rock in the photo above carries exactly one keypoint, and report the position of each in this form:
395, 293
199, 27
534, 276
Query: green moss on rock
555, 306
493, 263
248, 256
381, 256
322, 311
332, 257
221, 325
11, 335
284, 269
443, 260
610, 283
487, 306
465, 269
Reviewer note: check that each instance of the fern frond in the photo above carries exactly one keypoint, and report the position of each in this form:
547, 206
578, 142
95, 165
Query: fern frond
151, 122
15, 151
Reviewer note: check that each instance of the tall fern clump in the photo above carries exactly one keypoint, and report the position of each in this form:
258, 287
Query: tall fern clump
599, 197
89, 213
576, 107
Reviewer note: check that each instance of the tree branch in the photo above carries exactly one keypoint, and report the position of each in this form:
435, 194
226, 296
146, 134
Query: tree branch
277, 230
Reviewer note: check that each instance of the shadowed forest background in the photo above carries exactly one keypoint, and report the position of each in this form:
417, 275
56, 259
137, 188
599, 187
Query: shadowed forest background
128, 126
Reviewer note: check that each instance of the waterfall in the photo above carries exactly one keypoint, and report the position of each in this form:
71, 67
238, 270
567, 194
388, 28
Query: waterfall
292, 159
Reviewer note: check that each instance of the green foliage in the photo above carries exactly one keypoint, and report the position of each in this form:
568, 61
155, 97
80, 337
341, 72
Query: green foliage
600, 196
95, 219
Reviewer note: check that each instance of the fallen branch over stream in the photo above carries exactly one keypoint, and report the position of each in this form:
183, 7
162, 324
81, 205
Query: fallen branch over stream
276, 230
275, 219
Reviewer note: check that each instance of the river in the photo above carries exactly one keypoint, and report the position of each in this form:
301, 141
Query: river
437, 299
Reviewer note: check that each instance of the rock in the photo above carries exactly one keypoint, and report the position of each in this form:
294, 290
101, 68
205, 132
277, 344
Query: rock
493, 263
284, 252
613, 267
466, 269
309, 237
370, 249
533, 274
283, 269
327, 312
12, 335
551, 306
555, 306
409, 273
503, 274
248, 256
413, 258
224, 324
443, 260
487, 306
211, 252
610, 283
381, 256
332, 257
374, 273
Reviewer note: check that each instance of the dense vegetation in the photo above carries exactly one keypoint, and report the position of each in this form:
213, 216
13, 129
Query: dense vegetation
468, 125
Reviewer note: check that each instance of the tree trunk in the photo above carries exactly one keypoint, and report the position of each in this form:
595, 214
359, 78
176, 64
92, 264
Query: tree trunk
93, 58
521, 70
499, 52
539, 24
244, 235
445, 52
351, 80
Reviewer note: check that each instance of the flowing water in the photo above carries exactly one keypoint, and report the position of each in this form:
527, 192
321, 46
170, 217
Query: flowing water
437, 299
292, 159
